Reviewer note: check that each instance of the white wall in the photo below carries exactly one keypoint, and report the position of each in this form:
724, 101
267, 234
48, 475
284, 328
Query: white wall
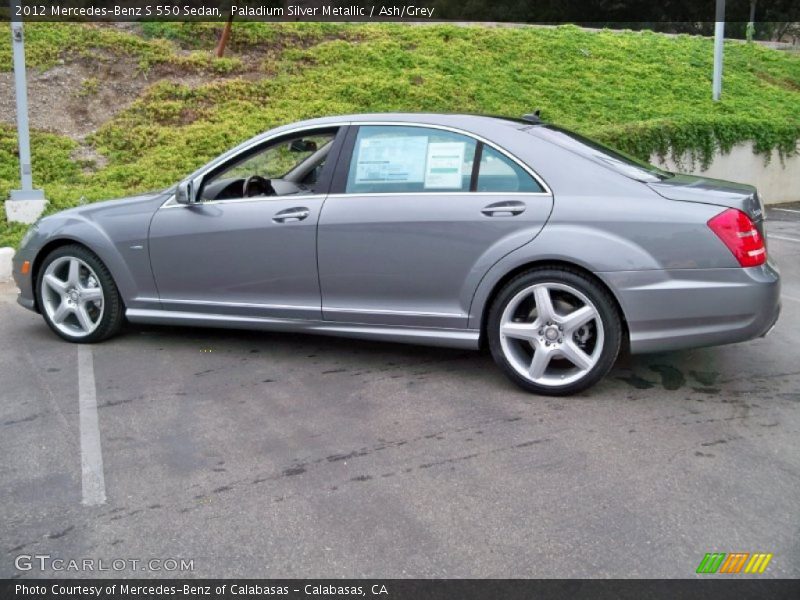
776, 182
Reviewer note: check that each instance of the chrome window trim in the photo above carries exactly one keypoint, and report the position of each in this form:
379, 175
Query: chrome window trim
174, 204
201, 173
493, 194
546, 189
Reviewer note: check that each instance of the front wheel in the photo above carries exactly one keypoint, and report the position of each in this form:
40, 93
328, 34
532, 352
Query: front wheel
554, 331
77, 295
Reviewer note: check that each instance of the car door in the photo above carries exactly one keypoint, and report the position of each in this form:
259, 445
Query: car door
245, 256
416, 217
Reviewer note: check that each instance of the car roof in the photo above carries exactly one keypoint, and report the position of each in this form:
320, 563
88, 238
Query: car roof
459, 120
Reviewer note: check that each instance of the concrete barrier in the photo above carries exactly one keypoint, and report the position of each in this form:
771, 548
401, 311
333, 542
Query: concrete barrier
6, 254
777, 181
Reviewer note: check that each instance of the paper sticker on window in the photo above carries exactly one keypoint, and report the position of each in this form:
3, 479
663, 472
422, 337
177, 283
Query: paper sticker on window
444, 164
391, 159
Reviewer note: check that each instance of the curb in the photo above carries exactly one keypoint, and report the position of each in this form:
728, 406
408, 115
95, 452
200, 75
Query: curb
6, 254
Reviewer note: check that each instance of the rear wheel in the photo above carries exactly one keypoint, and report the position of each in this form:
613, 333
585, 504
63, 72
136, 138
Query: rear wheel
554, 331
77, 295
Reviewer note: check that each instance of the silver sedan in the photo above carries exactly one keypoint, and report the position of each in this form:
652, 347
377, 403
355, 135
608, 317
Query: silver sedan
551, 250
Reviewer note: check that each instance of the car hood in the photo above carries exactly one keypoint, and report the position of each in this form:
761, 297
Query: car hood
119, 204
693, 188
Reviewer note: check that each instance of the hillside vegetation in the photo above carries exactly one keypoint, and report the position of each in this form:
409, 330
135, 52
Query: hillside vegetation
642, 92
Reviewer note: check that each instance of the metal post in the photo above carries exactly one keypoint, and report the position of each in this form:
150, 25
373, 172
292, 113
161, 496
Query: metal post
22, 106
719, 36
27, 204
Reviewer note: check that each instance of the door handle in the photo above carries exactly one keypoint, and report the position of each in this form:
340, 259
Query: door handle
298, 213
504, 209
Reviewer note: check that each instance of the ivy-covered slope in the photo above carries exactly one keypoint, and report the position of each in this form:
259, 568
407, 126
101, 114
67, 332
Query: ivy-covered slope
642, 92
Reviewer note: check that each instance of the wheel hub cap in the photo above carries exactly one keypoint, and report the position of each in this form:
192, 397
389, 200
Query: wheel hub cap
551, 334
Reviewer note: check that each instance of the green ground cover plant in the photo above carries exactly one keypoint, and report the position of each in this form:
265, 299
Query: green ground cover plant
642, 92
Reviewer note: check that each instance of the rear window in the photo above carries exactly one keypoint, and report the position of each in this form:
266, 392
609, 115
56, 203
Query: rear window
498, 173
402, 159
619, 161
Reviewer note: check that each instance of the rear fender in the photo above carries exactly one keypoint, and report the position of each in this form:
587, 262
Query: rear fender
555, 244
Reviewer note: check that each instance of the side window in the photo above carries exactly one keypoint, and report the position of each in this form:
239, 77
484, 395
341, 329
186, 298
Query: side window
498, 173
397, 159
289, 165
278, 159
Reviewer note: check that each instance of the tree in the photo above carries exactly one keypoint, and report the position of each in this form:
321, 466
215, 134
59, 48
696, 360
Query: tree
224, 37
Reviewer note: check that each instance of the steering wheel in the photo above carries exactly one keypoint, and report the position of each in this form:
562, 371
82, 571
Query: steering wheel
256, 185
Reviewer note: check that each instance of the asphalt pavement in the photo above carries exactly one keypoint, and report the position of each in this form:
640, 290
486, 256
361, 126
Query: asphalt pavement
277, 455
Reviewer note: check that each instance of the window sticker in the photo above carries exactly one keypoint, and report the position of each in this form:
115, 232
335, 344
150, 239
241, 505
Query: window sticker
391, 159
444, 164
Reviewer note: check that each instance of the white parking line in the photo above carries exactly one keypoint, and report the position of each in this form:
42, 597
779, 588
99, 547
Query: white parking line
790, 298
783, 237
791, 210
92, 481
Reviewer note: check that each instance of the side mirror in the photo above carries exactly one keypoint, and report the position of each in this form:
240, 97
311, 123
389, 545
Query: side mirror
185, 193
302, 146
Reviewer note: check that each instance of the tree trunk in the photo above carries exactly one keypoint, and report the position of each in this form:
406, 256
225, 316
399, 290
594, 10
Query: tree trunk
223, 39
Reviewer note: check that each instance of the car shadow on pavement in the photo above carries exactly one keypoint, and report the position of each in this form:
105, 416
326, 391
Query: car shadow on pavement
703, 371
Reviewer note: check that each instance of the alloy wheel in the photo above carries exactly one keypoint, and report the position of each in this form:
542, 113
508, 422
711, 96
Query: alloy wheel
72, 296
551, 334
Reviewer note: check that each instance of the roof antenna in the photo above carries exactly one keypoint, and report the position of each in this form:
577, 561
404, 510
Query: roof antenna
534, 117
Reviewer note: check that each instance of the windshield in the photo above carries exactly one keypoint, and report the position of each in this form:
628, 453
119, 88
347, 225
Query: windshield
622, 163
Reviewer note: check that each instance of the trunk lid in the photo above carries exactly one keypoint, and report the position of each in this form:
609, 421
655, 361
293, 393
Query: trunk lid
725, 194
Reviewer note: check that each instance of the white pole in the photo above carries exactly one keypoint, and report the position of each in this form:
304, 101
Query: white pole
719, 36
27, 204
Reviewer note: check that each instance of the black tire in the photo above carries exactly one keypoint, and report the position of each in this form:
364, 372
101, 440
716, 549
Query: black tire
113, 308
596, 293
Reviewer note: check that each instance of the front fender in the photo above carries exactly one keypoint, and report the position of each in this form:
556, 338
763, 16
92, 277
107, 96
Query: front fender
115, 231
80, 231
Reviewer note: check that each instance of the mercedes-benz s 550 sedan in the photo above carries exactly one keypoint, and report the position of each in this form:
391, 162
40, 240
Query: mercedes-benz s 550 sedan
456, 230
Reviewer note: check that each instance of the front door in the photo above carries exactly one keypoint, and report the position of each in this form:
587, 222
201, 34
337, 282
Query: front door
248, 246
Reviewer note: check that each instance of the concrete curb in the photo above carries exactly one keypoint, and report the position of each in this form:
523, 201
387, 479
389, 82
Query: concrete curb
6, 254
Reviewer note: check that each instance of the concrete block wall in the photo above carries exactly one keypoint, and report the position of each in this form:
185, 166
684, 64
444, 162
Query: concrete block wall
777, 182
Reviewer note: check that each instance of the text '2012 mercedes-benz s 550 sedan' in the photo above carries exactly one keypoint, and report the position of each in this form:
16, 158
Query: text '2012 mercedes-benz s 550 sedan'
455, 230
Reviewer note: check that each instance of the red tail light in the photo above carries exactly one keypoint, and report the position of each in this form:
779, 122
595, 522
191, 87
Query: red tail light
741, 236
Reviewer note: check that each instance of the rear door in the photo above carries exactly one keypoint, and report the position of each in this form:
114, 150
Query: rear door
416, 217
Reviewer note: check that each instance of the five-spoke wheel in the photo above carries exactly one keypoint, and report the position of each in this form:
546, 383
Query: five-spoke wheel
71, 296
77, 295
554, 331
